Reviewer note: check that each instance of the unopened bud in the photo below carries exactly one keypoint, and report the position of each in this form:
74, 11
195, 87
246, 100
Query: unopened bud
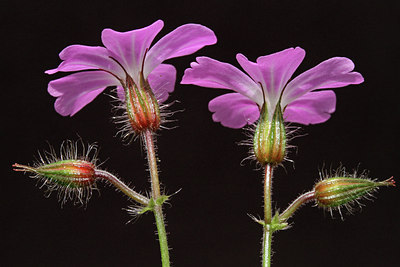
337, 191
73, 176
270, 137
70, 173
141, 106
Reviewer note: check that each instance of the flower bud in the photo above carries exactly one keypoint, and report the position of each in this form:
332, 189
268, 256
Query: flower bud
141, 106
270, 137
67, 173
71, 173
337, 191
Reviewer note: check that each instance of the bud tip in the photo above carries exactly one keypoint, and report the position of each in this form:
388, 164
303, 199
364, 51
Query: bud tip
22, 168
390, 182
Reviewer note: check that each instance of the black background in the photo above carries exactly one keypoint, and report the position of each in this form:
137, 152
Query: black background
207, 219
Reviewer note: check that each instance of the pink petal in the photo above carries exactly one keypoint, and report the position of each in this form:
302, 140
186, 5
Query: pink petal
120, 93
82, 57
162, 81
75, 91
311, 108
273, 71
234, 110
182, 41
208, 72
129, 48
332, 73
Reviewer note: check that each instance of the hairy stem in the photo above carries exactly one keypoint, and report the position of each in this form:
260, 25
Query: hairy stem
155, 194
267, 242
296, 204
268, 194
267, 236
122, 187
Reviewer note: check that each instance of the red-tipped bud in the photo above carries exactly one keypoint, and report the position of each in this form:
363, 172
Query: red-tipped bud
70, 173
270, 137
337, 191
73, 176
141, 106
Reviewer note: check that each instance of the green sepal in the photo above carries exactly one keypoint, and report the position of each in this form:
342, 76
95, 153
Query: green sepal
337, 191
269, 139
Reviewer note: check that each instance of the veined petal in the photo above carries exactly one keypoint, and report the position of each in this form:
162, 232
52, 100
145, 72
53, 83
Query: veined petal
208, 72
82, 57
129, 48
273, 71
311, 108
182, 41
234, 110
75, 91
332, 73
162, 81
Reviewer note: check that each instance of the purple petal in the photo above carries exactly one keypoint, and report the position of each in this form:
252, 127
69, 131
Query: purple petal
332, 73
234, 110
120, 93
273, 71
162, 81
82, 57
75, 91
311, 108
208, 72
129, 48
182, 41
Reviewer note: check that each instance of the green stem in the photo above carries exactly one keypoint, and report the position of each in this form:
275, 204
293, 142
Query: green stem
267, 236
162, 235
155, 194
267, 241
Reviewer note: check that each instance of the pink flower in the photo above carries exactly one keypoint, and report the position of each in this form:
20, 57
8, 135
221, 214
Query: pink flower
267, 83
127, 56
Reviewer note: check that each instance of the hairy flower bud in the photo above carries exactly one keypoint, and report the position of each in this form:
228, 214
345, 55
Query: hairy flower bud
270, 137
337, 191
71, 173
141, 106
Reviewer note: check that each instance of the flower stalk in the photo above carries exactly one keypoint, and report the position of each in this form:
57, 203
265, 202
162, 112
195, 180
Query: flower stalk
156, 195
295, 205
268, 193
122, 187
